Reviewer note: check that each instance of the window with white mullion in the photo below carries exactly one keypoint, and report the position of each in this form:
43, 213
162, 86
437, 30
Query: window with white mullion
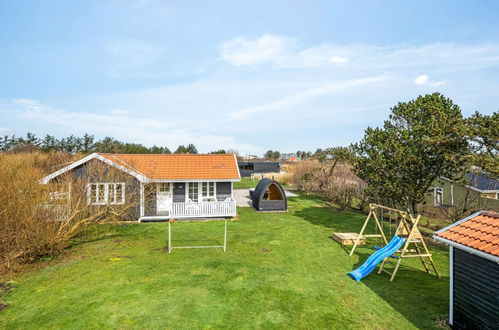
438, 197
193, 191
106, 193
208, 191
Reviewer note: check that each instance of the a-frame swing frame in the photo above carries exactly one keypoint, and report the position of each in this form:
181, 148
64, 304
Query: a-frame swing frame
372, 215
408, 229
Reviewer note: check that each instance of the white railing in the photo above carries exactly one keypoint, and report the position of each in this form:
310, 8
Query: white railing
204, 209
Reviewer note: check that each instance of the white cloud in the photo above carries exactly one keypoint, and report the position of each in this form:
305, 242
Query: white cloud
338, 59
305, 96
29, 104
425, 80
118, 111
137, 129
421, 80
285, 52
267, 48
127, 56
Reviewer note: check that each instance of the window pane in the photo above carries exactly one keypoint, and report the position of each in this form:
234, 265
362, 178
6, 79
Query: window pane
101, 190
119, 193
93, 193
193, 191
164, 187
110, 193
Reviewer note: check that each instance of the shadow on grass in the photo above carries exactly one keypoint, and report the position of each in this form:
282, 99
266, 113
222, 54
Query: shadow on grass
339, 221
420, 297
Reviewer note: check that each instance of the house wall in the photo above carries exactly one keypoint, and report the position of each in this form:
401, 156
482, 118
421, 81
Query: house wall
475, 292
223, 191
150, 206
272, 205
259, 167
96, 171
466, 201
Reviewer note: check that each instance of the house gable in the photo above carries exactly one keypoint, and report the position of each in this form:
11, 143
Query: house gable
87, 159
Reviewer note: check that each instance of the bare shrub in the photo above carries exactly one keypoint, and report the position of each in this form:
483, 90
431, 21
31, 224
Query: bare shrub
37, 220
335, 181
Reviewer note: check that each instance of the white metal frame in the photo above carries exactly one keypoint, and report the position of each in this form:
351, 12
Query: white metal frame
170, 247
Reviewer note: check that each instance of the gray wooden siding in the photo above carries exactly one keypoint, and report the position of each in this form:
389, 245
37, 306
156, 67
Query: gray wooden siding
476, 292
179, 192
258, 167
150, 205
109, 174
224, 190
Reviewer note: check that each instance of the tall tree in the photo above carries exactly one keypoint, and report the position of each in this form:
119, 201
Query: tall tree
191, 149
328, 160
87, 143
270, 154
483, 132
422, 140
49, 143
181, 149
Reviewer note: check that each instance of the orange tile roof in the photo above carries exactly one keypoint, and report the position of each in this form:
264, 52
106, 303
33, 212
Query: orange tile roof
179, 166
480, 232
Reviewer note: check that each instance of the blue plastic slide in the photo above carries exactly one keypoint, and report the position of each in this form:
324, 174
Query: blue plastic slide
376, 258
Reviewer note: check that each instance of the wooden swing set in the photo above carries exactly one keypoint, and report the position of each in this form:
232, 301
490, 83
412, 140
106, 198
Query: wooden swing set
407, 228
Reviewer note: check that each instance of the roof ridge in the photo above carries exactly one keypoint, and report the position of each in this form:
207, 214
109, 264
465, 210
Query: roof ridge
113, 154
133, 168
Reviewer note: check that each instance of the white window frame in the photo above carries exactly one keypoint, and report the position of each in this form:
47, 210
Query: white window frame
187, 192
200, 196
107, 186
436, 193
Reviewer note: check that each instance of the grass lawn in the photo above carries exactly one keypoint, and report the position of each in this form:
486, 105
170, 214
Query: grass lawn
281, 270
245, 183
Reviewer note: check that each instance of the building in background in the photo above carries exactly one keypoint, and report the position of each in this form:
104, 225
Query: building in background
249, 168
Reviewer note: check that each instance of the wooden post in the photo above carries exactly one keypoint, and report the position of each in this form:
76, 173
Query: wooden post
361, 231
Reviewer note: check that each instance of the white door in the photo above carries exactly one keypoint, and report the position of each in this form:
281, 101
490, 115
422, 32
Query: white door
164, 197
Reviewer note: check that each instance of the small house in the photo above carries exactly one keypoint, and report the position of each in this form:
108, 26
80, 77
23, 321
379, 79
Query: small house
156, 186
474, 270
447, 198
268, 195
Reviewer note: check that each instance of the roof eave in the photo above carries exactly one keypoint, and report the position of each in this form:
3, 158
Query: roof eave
467, 249
193, 180
84, 160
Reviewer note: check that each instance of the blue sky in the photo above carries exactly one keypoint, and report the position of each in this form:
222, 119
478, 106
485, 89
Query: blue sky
245, 75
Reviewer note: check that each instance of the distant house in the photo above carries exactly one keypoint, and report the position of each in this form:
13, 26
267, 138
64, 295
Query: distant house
248, 168
473, 270
161, 186
446, 197
487, 187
